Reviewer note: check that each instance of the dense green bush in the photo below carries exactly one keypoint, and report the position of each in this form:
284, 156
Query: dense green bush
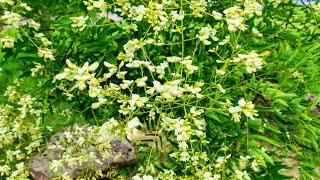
204, 89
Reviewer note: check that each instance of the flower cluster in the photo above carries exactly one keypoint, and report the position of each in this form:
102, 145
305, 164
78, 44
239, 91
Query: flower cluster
252, 61
82, 74
38, 69
236, 16
247, 108
133, 134
7, 42
91, 4
45, 51
79, 22
207, 32
20, 122
198, 7
186, 131
12, 20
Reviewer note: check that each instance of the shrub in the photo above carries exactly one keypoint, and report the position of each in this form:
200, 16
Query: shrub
204, 89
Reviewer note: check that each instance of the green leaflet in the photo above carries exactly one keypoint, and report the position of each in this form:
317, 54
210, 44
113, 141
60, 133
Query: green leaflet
265, 139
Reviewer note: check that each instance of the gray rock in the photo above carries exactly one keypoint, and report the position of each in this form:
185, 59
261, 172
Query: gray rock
122, 155
311, 97
315, 110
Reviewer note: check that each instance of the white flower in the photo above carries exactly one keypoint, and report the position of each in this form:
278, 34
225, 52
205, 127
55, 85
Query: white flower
109, 15
235, 113
39, 68
132, 132
79, 22
252, 61
134, 123
247, 108
25, 6
8, 42
114, 87
191, 68
81, 75
182, 144
256, 32
132, 45
147, 177
100, 102
223, 42
184, 156
134, 64
46, 53
196, 112
125, 84
220, 72
233, 110
241, 103
236, 23
255, 166
207, 32
11, 18
33, 24
141, 82
217, 16
193, 89
253, 7
121, 74
137, 12
221, 160
198, 7
158, 87
174, 59
94, 91
187, 62
136, 177
138, 101
235, 19
242, 175
200, 133
4, 170
10, 2
177, 16
208, 176
220, 88
161, 69
109, 65
55, 165
114, 17
99, 4
182, 135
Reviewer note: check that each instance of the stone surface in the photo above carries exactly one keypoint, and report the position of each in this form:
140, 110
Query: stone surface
313, 98
122, 155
